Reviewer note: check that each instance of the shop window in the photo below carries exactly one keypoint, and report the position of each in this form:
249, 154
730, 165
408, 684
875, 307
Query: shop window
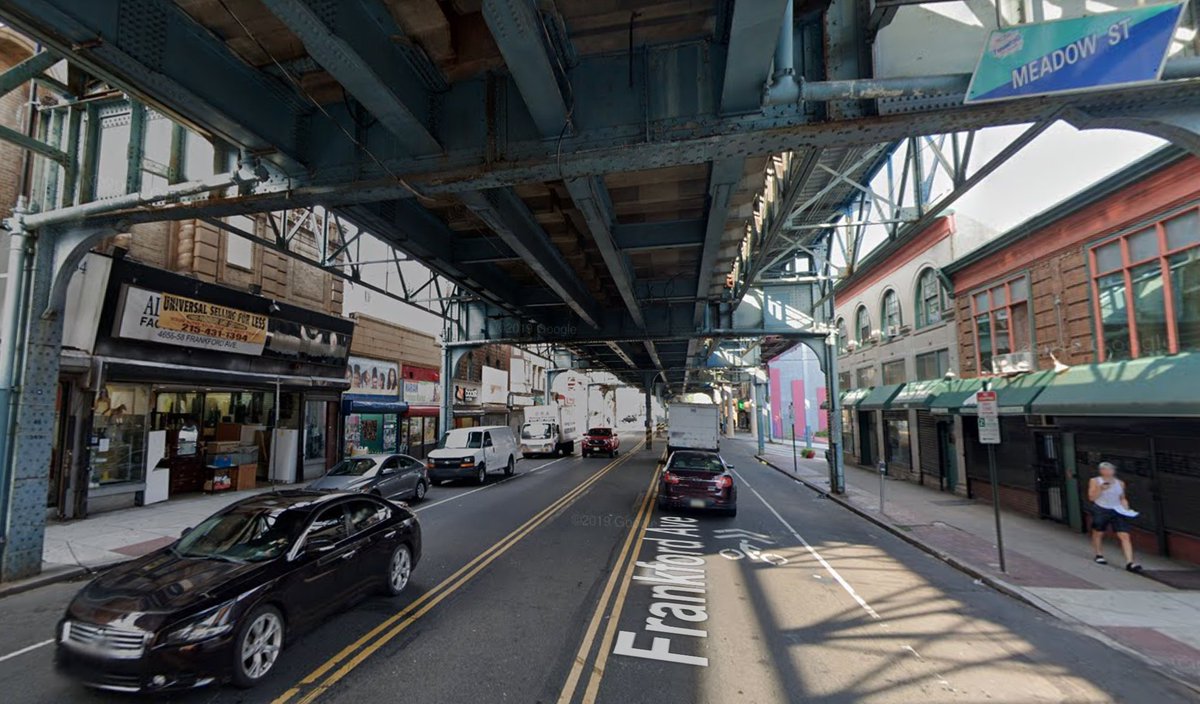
894, 372
1001, 316
864, 377
239, 251
118, 440
892, 320
897, 437
844, 381
1146, 286
862, 325
933, 365
931, 299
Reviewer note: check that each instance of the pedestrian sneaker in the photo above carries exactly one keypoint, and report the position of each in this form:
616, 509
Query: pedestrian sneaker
1133, 567
1099, 560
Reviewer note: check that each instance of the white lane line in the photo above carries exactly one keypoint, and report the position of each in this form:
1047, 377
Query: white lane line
485, 486
22, 651
828, 567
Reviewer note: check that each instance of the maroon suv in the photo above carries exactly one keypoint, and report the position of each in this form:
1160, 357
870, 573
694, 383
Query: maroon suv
601, 441
696, 479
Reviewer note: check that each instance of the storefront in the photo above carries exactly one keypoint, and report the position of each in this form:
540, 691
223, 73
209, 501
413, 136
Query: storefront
202, 388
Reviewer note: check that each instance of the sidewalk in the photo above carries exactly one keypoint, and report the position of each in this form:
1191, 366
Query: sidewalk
1049, 565
74, 548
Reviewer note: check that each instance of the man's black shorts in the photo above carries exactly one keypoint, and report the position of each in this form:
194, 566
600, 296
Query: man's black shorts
1105, 518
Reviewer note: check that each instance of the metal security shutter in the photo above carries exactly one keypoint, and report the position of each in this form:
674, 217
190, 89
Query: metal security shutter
927, 440
1177, 461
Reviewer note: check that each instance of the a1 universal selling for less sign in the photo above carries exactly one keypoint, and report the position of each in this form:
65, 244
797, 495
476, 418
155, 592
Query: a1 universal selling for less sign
186, 322
1083, 53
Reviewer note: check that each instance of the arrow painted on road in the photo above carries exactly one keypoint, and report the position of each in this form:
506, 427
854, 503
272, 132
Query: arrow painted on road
734, 533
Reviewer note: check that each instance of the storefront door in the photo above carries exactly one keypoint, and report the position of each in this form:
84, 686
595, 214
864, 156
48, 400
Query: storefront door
1051, 480
316, 415
866, 438
947, 456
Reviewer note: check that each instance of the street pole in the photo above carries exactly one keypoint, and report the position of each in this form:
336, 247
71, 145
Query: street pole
792, 422
988, 409
882, 466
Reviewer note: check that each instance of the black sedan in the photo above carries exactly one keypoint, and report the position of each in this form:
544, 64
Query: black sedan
222, 602
696, 479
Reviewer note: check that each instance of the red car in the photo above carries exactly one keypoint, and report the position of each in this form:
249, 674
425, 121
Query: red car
601, 441
696, 479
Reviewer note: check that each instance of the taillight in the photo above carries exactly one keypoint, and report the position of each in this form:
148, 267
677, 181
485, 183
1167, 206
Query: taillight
670, 478
725, 481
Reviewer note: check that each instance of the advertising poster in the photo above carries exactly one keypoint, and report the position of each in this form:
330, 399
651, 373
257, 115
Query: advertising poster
186, 322
373, 377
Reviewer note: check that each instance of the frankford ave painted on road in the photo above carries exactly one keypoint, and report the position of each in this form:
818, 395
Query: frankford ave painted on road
676, 578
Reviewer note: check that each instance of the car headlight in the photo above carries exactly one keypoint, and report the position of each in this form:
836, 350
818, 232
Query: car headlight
215, 622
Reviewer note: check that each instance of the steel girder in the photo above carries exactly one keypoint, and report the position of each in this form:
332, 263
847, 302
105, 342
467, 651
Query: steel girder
752, 31
361, 54
518, 31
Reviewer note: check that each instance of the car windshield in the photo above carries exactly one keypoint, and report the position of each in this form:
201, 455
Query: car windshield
698, 463
537, 431
353, 467
243, 534
601, 432
467, 440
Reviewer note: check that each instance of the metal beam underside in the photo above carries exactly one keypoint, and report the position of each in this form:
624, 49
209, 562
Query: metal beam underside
519, 33
752, 34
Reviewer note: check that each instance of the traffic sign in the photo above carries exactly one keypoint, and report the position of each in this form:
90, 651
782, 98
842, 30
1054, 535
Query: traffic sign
989, 417
1110, 49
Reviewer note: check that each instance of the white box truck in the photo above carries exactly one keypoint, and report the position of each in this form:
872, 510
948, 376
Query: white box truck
693, 426
549, 430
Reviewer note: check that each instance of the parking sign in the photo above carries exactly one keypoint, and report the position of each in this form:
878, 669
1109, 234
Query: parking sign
989, 417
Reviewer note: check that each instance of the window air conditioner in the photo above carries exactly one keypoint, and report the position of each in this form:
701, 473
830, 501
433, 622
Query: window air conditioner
1015, 363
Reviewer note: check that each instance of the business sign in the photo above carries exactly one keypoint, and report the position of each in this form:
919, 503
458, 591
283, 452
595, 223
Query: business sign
1112, 49
989, 417
495, 386
422, 393
373, 377
466, 394
168, 319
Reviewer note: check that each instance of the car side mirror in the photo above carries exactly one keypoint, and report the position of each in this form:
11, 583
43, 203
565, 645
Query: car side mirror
184, 533
730, 466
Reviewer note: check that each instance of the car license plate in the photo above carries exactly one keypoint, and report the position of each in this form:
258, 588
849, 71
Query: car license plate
696, 503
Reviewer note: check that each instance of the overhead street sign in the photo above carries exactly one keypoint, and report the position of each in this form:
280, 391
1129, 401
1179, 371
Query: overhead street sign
989, 417
1117, 48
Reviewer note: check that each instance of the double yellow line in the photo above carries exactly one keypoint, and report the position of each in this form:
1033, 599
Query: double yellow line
622, 572
353, 655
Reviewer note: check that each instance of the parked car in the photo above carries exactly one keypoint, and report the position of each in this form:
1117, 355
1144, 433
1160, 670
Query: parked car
470, 453
701, 480
629, 419
601, 441
223, 601
389, 476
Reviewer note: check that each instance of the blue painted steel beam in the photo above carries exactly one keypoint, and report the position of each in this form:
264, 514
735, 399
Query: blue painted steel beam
752, 35
591, 198
356, 51
26, 70
723, 180
483, 250
518, 31
511, 219
180, 68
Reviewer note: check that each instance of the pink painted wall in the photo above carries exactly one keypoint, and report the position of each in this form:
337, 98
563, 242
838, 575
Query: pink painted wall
801, 421
776, 400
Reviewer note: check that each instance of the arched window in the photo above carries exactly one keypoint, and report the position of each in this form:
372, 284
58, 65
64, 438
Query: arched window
931, 299
891, 313
843, 338
862, 325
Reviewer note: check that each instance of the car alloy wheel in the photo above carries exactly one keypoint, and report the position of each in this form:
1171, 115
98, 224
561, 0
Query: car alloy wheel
421, 489
399, 569
259, 646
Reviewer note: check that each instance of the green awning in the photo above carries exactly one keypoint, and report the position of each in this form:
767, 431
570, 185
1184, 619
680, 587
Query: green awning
954, 394
919, 394
851, 398
1151, 386
880, 397
1014, 394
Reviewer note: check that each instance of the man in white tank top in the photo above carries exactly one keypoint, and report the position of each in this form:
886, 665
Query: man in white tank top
1110, 508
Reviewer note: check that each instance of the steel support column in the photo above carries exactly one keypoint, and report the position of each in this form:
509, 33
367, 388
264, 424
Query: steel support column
451, 356
762, 417
26, 478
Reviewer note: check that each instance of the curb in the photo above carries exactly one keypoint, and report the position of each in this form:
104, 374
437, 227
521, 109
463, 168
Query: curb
1010, 590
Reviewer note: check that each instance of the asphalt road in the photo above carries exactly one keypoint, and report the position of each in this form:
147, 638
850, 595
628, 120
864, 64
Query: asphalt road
565, 584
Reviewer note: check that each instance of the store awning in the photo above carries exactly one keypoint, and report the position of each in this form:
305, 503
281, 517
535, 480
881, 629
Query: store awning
364, 405
423, 411
880, 397
919, 394
954, 394
1152, 386
851, 398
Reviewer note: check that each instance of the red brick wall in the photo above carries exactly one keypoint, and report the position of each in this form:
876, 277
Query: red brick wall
13, 50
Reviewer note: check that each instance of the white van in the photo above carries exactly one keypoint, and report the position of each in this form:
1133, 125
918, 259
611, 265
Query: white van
470, 453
